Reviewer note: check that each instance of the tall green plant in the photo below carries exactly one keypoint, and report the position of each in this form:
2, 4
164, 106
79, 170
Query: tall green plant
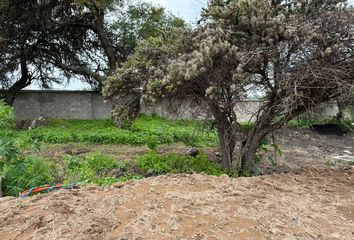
20, 172
7, 116
8, 149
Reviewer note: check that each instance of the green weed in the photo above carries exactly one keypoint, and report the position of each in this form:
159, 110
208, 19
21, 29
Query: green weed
155, 164
30, 172
95, 169
146, 130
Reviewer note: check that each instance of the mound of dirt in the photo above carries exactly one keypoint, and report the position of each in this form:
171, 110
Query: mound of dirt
311, 204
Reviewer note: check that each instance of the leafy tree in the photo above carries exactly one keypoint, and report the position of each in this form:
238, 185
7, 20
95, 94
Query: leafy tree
297, 54
45, 41
127, 86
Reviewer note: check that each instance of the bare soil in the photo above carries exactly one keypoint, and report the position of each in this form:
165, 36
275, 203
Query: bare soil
307, 195
311, 204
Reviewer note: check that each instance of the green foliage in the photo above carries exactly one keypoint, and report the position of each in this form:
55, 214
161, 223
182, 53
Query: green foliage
9, 152
246, 126
7, 116
268, 146
146, 130
155, 164
95, 169
307, 123
25, 174
20, 172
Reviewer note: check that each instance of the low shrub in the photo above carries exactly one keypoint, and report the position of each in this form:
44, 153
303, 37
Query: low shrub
156, 164
25, 174
7, 116
95, 169
307, 123
20, 172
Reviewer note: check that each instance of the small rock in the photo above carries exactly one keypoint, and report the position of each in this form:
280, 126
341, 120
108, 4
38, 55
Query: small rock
193, 152
40, 121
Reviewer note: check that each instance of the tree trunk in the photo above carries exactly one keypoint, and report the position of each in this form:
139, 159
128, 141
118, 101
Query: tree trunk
227, 144
23, 82
341, 107
247, 155
226, 126
250, 145
10, 98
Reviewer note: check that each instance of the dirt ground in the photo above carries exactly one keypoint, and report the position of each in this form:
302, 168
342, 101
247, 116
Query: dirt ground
311, 204
307, 195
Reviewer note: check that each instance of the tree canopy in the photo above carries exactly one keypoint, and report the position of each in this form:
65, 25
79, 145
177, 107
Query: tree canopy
296, 54
48, 41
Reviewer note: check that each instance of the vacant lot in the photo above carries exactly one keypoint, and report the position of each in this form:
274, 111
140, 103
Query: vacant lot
303, 193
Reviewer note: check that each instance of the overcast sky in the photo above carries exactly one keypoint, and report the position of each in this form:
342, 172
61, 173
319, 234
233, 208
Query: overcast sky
186, 9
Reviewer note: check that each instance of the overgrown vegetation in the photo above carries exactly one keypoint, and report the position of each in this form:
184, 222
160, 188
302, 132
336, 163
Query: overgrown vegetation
307, 123
24, 172
97, 168
27, 173
155, 164
20, 172
146, 130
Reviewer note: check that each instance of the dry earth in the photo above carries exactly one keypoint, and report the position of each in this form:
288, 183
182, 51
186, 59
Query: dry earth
311, 204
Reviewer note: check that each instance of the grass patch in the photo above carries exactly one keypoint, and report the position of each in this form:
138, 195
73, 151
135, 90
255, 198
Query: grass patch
146, 130
307, 123
155, 164
96, 168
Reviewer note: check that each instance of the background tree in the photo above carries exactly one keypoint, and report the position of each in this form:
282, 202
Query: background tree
126, 87
296, 54
50, 40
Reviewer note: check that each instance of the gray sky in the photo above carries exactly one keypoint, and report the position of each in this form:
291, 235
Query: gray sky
186, 9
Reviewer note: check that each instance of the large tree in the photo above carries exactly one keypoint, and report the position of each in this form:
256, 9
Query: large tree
296, 54
127, 86
49, 41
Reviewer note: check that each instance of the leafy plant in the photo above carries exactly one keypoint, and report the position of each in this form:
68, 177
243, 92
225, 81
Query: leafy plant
7, 116
268, 146
155, 164
146, 130
20, 172
95, 168
30, 172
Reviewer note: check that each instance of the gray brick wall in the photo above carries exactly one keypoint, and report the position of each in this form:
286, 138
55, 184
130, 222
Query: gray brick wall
61, 105
90, 105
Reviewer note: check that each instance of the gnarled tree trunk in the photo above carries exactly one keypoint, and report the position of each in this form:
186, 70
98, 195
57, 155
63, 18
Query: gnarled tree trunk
227, 144
23, 82
226, 126
250, 144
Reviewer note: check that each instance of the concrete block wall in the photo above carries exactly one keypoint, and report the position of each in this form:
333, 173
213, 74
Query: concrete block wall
90, 105
61, 105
